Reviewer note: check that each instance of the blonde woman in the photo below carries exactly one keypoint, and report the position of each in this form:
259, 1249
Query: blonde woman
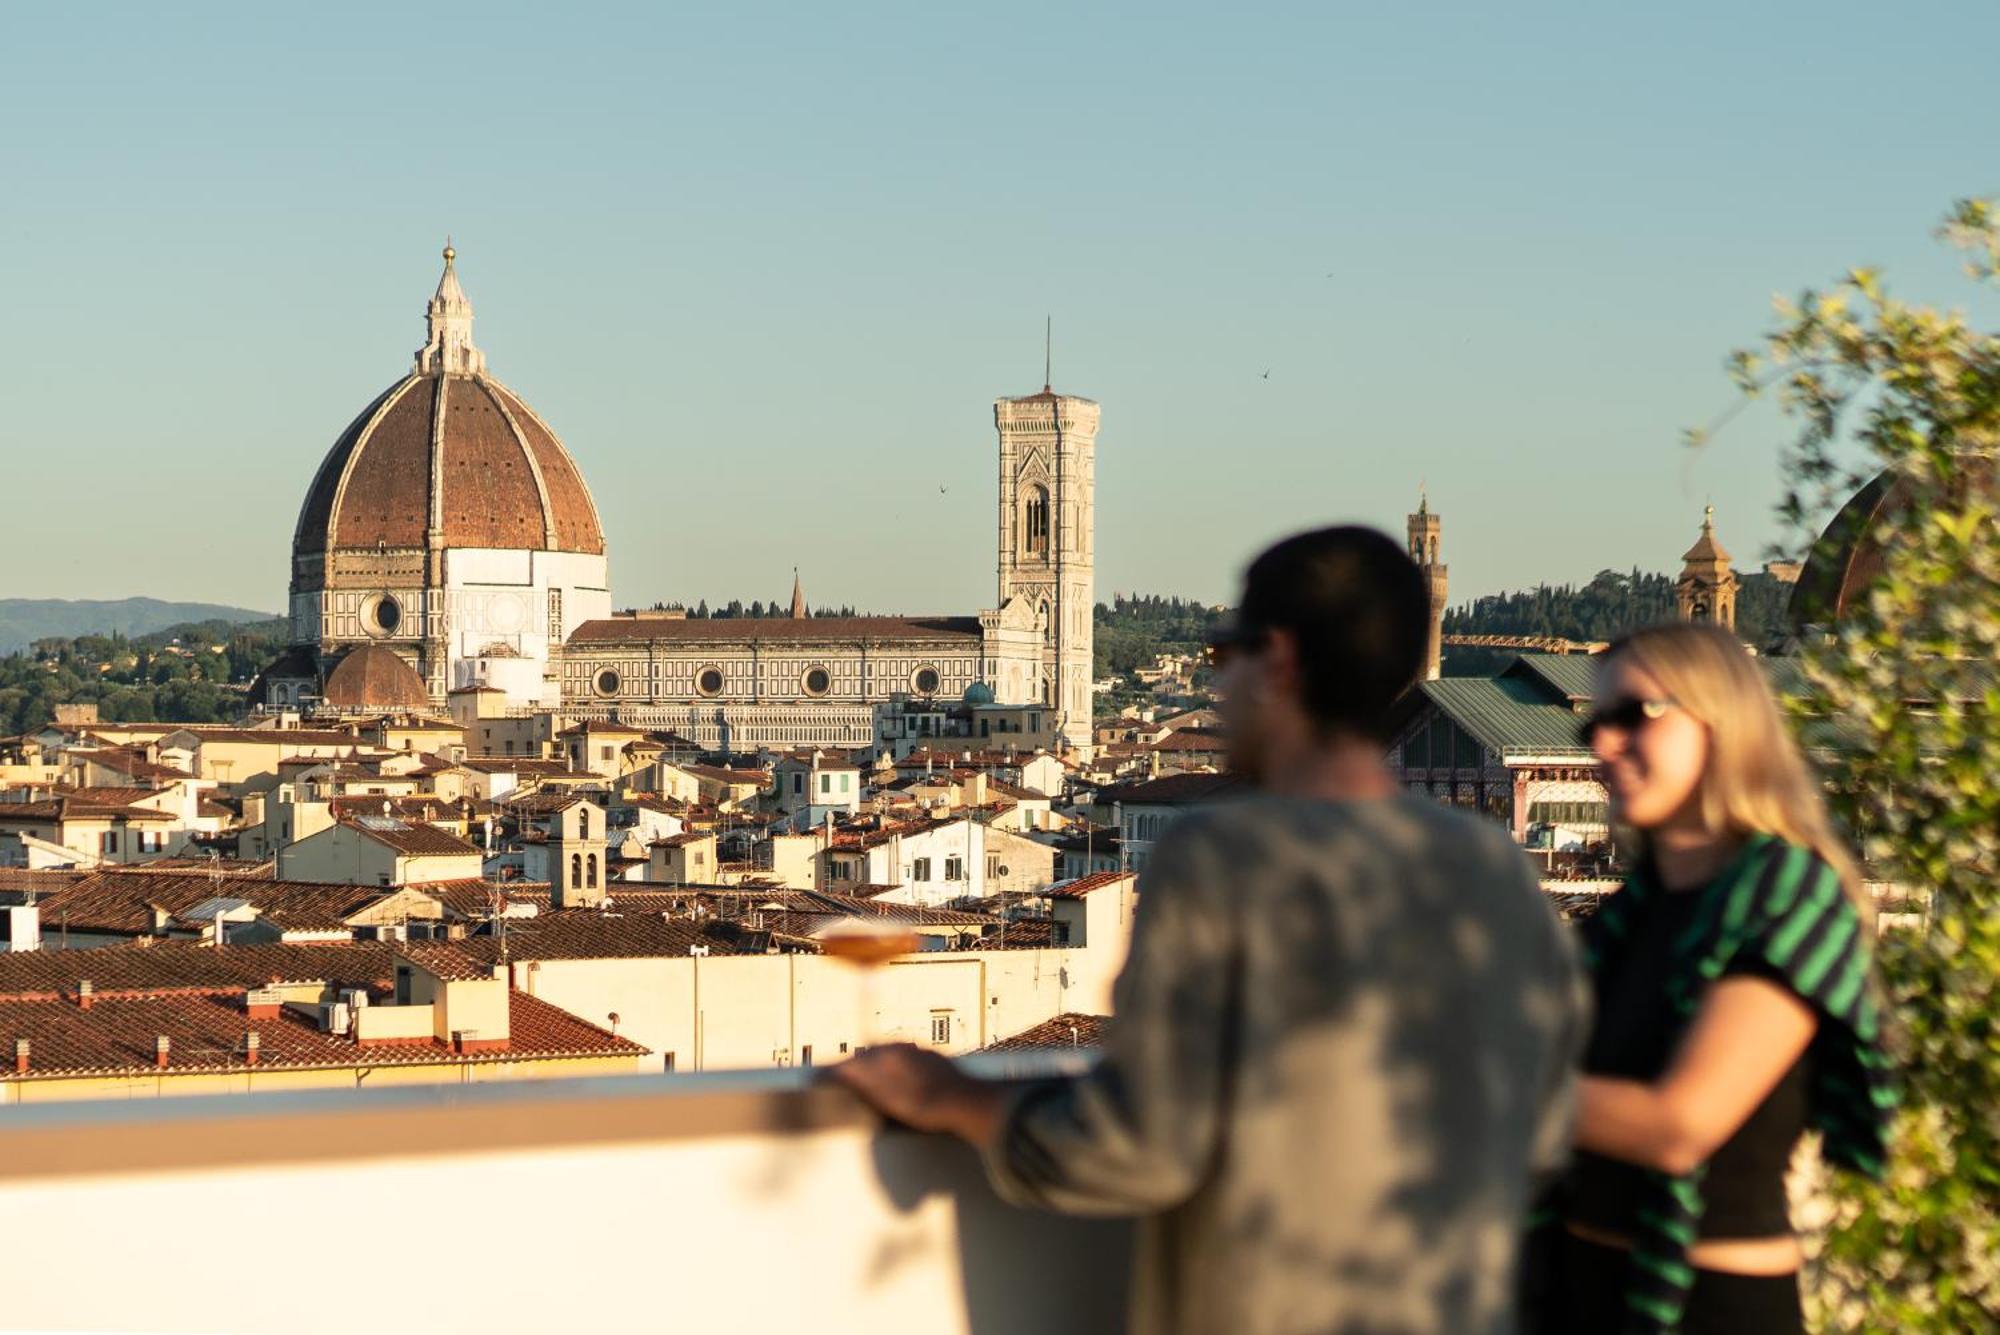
1735, 1005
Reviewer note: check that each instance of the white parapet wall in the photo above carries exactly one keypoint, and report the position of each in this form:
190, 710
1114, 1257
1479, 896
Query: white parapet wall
702, 1203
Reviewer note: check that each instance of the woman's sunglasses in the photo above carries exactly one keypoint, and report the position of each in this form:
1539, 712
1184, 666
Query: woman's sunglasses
1627, 715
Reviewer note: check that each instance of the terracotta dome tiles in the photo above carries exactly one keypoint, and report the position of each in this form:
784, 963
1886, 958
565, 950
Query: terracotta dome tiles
576, 523
372, 677
507, 481
384, 499
491, 498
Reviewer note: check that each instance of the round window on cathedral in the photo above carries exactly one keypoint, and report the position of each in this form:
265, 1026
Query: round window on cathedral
926, 681
381, 614
709, 681
607, 682
817, 681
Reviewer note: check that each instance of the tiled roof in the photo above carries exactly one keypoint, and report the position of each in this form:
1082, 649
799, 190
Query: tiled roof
1176, 789
732, 777
1071, 1029
122, 901
936, 758
444, 960
130, 761
567, 934
20, 881
207, 1032
71, 806
849, 906
261, 868
1001, 788
1205, 740
190, 965
420, 810
666, 806
584, 727
276, 736
1083, 885
526, 766
684, 839
753, 630
408, 839
540, 803
475, 899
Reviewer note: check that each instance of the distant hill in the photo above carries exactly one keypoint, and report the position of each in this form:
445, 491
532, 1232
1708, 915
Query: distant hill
25, 620
1611, 604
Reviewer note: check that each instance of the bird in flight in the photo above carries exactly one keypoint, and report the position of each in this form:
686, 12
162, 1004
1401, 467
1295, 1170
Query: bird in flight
942, 489
1267, 375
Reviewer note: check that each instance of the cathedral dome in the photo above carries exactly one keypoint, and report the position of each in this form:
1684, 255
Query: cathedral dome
372, 677
447, 457
1847, 558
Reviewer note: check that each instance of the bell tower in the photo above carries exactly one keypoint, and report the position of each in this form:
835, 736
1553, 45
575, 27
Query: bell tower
1048, 510
1706, 590
1425, 530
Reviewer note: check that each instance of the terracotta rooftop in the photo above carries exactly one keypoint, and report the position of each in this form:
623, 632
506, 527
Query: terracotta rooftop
410, 840
916, 915
207, 1032
936, 758
733, 777
1208, 740
1084, 885
527, 767
191, 965
70, 807
444, 959
566, 934
288, 737
683, 839
1071, 1029
122, 902
130, 761
1174, 789
416, 809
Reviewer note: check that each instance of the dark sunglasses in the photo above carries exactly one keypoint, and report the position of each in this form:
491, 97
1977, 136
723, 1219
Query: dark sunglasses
1628, 716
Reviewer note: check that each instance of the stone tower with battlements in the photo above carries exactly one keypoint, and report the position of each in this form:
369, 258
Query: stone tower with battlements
1425, 528
1048, 508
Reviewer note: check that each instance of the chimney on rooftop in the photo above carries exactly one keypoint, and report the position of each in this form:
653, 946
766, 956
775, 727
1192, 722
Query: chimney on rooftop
161, 1047
263, 1003
21, 1052
85, 994
252, 1044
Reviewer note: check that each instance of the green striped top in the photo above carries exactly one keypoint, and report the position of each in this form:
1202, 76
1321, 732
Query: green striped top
1782, 906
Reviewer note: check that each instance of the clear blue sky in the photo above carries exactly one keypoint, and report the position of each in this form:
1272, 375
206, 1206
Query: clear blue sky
766, 267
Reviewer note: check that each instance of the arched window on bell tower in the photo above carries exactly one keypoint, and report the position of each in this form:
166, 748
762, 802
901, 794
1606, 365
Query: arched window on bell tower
1035, 523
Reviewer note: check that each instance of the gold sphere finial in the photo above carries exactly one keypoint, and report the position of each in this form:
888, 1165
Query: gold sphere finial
449, 253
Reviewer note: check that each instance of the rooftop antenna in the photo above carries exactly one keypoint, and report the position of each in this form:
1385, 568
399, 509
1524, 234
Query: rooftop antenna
1048, 351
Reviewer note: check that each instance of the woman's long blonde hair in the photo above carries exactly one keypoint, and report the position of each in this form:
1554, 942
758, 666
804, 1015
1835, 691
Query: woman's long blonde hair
1757, 780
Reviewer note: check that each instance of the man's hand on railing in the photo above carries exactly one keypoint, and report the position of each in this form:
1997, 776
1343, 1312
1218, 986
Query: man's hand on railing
925, 1092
